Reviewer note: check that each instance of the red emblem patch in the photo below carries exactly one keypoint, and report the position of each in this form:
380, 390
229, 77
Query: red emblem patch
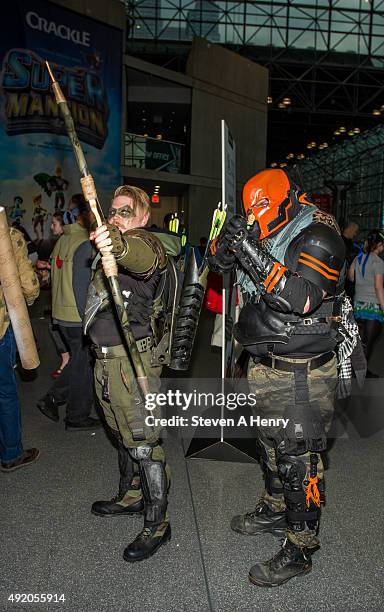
59, 262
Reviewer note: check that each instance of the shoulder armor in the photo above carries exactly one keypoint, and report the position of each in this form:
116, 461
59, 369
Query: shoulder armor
321, 256
320, 216
152, 241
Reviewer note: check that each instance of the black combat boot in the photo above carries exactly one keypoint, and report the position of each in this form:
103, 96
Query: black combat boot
157, 530
148, 541
260, 520
129, 500
49, 407
289, 562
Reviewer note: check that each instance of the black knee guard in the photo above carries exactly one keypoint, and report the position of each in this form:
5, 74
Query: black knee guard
293, 474
126, 465
153, 480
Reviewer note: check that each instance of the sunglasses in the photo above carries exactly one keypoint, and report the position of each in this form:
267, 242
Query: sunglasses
124, 212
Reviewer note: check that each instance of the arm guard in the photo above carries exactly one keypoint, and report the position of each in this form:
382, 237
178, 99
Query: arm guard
317, 258
142, 253
269, 276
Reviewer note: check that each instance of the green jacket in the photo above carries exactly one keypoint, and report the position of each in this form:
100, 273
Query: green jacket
65, 300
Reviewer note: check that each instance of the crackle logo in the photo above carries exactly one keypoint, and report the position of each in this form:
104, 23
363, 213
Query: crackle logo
79, 37
29, 104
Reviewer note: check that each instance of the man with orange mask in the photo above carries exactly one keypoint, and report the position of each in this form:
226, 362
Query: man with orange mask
292, 258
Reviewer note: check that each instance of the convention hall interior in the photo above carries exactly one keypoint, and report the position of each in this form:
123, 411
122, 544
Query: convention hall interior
299, 83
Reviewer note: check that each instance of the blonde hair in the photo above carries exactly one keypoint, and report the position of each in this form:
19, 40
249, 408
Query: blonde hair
140, 199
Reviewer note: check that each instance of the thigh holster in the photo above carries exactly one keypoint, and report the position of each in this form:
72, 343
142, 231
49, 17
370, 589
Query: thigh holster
305, 430
293, 474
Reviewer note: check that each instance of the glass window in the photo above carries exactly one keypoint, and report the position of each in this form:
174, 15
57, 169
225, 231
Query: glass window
158, 122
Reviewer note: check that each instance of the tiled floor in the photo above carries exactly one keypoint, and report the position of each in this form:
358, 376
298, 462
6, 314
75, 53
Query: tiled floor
52, 544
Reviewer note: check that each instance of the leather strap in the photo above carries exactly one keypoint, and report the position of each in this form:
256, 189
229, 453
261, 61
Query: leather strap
111, 352
291, 366
312, 320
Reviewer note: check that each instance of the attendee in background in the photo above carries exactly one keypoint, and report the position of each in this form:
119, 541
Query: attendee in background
202, 246
71, 275
57, 230
76, 203
43, 265
367, 271
349, 233
12, 455
43, 269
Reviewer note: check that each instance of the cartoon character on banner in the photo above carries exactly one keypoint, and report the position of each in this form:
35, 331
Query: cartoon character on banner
53, 184
39, 217
17, 213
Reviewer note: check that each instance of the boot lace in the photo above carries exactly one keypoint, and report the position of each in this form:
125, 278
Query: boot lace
281, 558
284, 556
146, 533
260, 508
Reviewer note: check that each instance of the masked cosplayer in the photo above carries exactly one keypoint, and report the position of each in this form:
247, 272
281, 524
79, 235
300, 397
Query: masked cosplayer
142, 262
292, 260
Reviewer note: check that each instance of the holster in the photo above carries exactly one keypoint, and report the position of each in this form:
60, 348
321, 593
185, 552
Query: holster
305, 429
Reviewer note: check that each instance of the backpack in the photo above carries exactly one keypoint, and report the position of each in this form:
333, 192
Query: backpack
166, 302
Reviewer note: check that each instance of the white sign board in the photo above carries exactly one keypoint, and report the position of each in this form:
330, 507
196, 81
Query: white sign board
228, 169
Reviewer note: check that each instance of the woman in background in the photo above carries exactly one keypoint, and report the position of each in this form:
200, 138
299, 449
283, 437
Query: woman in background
43, 271
367, 270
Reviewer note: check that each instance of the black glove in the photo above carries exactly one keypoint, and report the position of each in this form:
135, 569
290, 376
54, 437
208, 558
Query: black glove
234, 232
222, 262
224, 258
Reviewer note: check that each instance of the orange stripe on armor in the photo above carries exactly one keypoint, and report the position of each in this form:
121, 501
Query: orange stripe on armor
319, 263
272, 273
311, 265
276, 279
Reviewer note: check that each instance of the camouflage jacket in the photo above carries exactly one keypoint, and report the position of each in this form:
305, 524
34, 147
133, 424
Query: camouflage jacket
28, 278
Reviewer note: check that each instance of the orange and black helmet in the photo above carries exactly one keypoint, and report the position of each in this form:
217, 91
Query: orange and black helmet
272, 200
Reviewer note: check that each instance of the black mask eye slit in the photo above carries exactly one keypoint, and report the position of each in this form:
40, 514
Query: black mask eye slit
124, 212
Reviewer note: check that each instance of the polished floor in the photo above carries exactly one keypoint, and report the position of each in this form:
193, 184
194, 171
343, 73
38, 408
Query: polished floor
51, 543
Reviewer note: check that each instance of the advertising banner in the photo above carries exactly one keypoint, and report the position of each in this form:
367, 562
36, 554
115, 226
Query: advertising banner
38, 173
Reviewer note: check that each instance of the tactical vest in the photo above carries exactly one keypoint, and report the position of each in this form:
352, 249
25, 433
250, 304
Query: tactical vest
150, 304
259, 324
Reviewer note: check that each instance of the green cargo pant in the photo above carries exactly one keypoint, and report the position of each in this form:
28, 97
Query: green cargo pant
121, 412
275, 391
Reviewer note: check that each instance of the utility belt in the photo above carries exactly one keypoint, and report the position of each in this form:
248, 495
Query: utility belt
312, 320
290, 364
112, 352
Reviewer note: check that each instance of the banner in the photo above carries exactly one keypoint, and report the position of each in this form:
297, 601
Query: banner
38, 173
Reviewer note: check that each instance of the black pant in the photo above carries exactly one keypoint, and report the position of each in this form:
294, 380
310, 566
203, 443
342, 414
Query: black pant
369, 332
75, 384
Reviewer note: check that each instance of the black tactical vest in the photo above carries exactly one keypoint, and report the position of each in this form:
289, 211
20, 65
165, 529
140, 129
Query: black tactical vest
139, 298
